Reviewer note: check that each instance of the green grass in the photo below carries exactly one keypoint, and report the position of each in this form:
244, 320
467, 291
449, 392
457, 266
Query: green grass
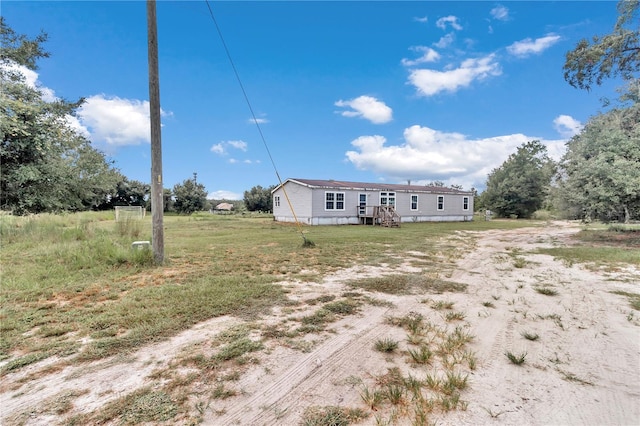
596, 255
238, 348
617, 244
328, 313
441, 304
422, 355
387, 345
454, 316
69, 278
517, 359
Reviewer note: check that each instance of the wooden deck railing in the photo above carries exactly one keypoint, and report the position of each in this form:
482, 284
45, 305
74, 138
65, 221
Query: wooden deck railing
379, 215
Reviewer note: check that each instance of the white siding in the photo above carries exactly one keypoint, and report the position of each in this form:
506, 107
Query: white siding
300, 197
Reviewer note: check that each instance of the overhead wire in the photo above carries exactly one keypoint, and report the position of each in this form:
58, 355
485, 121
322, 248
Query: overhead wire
257, 123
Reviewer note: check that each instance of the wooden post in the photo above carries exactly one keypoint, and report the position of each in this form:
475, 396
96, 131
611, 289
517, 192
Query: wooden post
157, 201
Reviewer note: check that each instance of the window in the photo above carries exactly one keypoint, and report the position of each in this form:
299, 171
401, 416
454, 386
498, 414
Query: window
414, 202
465, 203
440, 202
276, 201
334, 200
387, 198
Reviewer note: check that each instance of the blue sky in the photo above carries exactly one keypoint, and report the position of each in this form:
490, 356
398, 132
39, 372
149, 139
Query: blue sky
360, 91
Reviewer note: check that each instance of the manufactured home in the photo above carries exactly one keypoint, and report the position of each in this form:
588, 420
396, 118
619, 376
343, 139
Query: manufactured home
332, 202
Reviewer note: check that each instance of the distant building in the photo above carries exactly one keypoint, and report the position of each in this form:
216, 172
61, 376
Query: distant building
224, 207
331, 202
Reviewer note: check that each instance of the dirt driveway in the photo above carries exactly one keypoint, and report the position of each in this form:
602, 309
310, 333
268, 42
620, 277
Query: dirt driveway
582, 363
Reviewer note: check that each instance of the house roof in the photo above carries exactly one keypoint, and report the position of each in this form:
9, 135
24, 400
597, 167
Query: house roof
224, 206
338, 184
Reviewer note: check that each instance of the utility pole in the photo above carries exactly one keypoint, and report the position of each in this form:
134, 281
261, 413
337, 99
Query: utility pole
157, 201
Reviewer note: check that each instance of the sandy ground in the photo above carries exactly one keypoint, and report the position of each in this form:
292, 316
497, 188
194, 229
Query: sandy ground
583, 370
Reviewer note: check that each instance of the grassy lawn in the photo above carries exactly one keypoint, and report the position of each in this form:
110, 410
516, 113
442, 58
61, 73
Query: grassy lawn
69, 279
602, 245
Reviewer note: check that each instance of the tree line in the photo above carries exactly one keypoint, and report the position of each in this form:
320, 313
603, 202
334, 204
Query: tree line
49, 167
599, 175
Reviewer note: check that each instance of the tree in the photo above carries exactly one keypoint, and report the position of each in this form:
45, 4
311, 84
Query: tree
615, 54
600, 172
127, 193
190, 196
132, 193
46, 164
167, 201
520, 185
167, 197
259, 199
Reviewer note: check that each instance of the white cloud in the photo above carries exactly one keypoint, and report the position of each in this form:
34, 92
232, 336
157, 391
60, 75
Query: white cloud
241, 145
428, 154
567, 126
500, 13
30, 79
258, 121
222, 147
112, 120
451, 20
367, 107
223, 194
430, 82
445, 41
75, 124
526, 47
421, 19
116, 121
428, 55
218, 149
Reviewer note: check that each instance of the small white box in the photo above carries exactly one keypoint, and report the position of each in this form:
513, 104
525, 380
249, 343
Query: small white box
140, 245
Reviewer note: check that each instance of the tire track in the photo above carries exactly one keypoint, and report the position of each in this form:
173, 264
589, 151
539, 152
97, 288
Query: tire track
333, 359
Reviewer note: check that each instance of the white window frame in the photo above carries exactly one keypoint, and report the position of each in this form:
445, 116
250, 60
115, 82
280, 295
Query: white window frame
389, 197
276, 201
336, 199
465, 203
411, 202
440, 203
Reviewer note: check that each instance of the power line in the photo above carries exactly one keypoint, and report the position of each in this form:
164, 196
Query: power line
255, 120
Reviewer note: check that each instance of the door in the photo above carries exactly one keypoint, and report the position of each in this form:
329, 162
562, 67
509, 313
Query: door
362, 204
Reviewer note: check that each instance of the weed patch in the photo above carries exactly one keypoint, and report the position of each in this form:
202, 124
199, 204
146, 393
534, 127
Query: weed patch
422, 355
570, 377
238, 348
386, 345
517, 359
407, 284
547, 291
530, 336
143, 405
332, 416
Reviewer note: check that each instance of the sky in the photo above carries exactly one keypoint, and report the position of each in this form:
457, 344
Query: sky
362, 91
